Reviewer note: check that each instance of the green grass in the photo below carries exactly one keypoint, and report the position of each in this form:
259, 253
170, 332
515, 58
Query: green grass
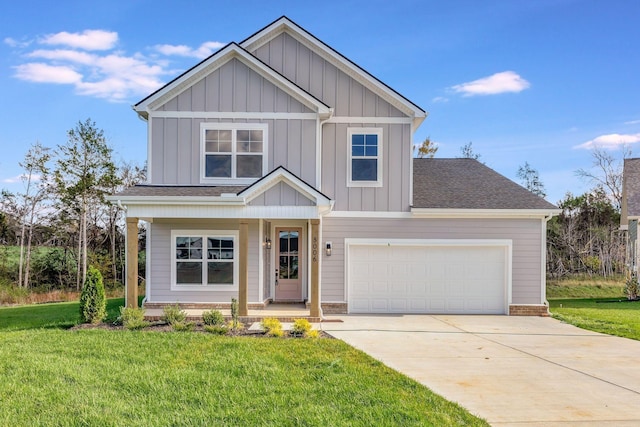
109, 378
585, 287
609, 316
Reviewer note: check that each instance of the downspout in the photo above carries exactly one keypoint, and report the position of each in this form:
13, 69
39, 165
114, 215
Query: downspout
547, 218
319, 124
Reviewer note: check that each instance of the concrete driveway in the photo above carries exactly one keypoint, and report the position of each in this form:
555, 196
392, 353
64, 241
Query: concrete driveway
521, 371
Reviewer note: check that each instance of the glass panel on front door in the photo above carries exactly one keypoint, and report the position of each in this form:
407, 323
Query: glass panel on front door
288, 264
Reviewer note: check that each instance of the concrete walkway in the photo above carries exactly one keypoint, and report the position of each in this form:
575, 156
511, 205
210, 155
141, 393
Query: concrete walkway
511, 371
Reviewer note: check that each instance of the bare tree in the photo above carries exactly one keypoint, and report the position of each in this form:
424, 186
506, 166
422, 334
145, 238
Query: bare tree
606, 171
531, 180
468, 153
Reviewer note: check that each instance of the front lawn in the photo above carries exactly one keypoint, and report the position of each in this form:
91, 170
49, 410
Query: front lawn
610, 316
102, 377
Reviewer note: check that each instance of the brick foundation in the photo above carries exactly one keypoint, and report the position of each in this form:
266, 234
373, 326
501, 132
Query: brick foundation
201, 306
334, 308
529, 310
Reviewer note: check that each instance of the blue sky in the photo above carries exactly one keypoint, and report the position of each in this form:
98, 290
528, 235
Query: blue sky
537, 81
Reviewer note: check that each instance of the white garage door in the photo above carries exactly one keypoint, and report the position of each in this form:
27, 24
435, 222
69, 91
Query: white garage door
427, 278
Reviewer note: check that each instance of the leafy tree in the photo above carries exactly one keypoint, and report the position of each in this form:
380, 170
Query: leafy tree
531, 180
468, 153
84, 173
427, 149
93, 302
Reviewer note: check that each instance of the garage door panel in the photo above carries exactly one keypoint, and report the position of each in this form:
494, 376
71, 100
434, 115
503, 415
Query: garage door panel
427, 279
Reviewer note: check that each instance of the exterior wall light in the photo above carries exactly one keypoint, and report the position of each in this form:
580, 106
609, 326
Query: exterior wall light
267, 243
328, 249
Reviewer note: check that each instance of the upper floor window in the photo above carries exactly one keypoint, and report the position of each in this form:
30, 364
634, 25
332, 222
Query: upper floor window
233, 151
364, 166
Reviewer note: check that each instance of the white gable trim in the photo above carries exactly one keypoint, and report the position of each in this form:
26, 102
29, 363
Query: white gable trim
283, 25
214, 62
283, 175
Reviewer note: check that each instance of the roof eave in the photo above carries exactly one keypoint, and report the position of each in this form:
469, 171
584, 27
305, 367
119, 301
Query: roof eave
483, 213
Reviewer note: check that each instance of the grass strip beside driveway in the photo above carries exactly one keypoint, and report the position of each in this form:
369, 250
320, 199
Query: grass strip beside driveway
608, 316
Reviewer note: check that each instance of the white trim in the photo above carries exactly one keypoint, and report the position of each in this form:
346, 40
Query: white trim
234, 128
235, 234
370, 120
149, 151
283, 175
506, 243
482, 213
147, 259
214, 62
543, 260
369, 214
232, 115
379, 132
216, 211
261, 250
411, 147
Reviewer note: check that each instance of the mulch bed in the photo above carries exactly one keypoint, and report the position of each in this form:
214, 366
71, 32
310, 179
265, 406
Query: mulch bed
164, 327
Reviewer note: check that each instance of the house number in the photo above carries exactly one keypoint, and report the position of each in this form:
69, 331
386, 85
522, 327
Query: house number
314, 246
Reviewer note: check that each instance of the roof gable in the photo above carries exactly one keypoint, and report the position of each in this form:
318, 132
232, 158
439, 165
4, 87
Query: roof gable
284, 24
214, 62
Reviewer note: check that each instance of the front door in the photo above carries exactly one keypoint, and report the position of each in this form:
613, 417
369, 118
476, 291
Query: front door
288, 266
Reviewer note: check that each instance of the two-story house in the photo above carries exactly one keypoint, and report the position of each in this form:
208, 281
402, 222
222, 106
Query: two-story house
279, 171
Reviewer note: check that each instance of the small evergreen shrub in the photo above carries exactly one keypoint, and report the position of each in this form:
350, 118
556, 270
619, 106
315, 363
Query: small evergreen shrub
213, 318
133, 318
173, 314
301, 327
183, 326
235, 325
272, 327
93, 302
216, 329
632, 288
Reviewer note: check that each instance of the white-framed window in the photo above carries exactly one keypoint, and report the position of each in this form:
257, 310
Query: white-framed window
204, 260
364, 165
233, 152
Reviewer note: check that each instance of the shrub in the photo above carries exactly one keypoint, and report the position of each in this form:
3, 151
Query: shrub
93, 302
235, 325
216, 329
313, 333
272, 326
301, 327
173, 314
213, 318
632, 288
133, 318
183, 326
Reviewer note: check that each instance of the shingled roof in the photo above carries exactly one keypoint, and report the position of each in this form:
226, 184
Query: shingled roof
178, 191
468, 184
631, 188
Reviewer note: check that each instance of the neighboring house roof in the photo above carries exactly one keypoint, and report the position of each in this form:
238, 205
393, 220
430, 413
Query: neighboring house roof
216, 60
284, 24
468, 184
630, 190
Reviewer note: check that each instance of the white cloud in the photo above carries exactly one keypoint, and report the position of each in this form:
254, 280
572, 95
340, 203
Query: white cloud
610, 141
44, 73
506, 81
88, 61
632, 122
201, 52
20, 178
439, 99
88, 39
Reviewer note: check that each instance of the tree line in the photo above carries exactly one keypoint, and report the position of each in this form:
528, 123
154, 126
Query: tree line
585, 238
63, 213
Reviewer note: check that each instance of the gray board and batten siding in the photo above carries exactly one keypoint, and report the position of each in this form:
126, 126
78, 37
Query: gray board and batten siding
524, 234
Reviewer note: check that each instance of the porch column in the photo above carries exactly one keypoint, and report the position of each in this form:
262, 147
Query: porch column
243, 307
316, 253
131, 282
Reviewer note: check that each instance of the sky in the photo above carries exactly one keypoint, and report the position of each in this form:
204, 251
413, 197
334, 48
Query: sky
541, 82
